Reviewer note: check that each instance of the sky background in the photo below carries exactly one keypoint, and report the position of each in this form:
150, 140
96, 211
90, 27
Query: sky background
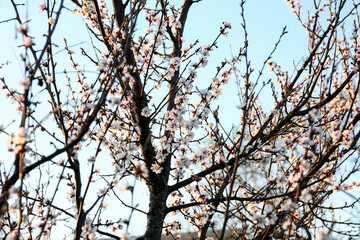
265, 20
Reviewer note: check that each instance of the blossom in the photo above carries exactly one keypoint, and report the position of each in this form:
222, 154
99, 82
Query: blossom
50, 20
306, 196
336, 187
25, 83
20, 140
102, 191
125, 236
114, 101
60, 162
49, 79
104, 64
13, 235
124, 187
42, 6
148, 29
71, 195
259, 220
156, 168
145, 112
23, 29
157, 84
227, 24
87, 230
288, 205
271, 218
28, 42
117, 46
287, 225
322, 234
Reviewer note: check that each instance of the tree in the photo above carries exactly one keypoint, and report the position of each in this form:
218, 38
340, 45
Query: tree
145, 108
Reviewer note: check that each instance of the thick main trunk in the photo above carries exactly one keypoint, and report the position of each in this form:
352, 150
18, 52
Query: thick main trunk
157, 213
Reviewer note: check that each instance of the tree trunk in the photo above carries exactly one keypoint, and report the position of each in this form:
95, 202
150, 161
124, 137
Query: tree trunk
157, 213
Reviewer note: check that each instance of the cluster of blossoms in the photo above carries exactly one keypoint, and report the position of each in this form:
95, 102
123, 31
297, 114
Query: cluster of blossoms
19, 141
88, 11
263, 217
88, 232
